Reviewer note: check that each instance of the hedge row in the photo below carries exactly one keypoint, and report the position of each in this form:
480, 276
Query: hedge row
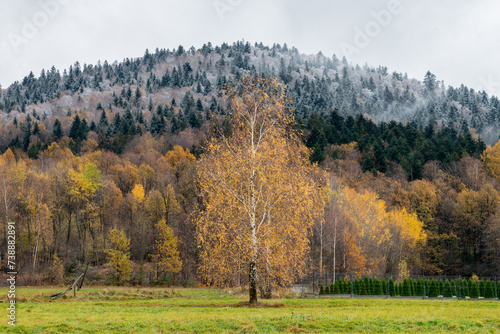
411, 287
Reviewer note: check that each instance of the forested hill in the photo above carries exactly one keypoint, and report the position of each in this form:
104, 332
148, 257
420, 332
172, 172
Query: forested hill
159, 81
169, 92
115, 146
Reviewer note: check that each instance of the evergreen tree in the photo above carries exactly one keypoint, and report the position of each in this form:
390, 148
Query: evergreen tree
406, 288
26, 139
357, 287
93, 126
474, 289
363, 291
194, 120
36, 129
378, 287
453, 286
419, 287
384, 287
199, 105
464, 288
369, 285
84, 129
440, 287
391, 291
447, 289
74, 131
489, 290
433, 289
57, 131
103, 121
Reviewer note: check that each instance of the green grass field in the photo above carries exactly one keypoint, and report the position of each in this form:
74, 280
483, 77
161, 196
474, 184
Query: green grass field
144, 310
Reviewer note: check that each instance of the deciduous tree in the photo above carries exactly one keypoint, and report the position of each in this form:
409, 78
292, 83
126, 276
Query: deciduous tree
258, 198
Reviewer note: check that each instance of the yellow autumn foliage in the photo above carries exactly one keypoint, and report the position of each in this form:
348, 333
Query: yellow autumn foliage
257, 196
138, 193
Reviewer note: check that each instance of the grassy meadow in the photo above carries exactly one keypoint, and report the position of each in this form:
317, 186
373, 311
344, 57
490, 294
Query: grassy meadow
149, 310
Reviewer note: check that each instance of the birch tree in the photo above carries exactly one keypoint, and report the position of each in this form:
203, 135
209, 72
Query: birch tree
257, 195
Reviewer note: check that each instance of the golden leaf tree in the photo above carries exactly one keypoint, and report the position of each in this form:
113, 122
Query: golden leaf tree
257, 195
166, 254
119, 255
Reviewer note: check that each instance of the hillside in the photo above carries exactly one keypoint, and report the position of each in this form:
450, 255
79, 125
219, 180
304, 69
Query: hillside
318, 84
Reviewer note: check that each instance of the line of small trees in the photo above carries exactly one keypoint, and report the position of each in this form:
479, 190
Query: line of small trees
460, 287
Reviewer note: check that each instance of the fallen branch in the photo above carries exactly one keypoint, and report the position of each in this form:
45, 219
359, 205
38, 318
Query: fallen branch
57, 295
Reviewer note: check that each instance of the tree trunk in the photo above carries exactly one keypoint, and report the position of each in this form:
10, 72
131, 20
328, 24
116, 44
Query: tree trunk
252, 278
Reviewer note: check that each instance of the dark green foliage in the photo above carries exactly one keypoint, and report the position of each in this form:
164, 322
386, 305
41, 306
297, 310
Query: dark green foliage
357, 287
36, 129
378, 289
321, 289
384, 287
454, 289
363, 291
447, 291
407, 145
74, 131
34, 150
392, 291
482, 288
368, 285
474, 289
103, 121
26, 139
419, 287
489, 289
57, 131
341, 286
406, 288
464, 288
440, 287
327, 290
433, 290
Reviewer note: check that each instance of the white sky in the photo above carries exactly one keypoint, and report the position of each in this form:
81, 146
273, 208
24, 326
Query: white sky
455, 39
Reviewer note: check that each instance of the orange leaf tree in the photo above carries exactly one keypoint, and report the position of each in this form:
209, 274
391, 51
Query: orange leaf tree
257, 196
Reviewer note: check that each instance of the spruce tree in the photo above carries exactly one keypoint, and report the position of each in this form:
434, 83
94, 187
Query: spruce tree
57, 131
74, 131
103, 121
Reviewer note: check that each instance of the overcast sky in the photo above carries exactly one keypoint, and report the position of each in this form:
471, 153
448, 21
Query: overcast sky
457, 40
